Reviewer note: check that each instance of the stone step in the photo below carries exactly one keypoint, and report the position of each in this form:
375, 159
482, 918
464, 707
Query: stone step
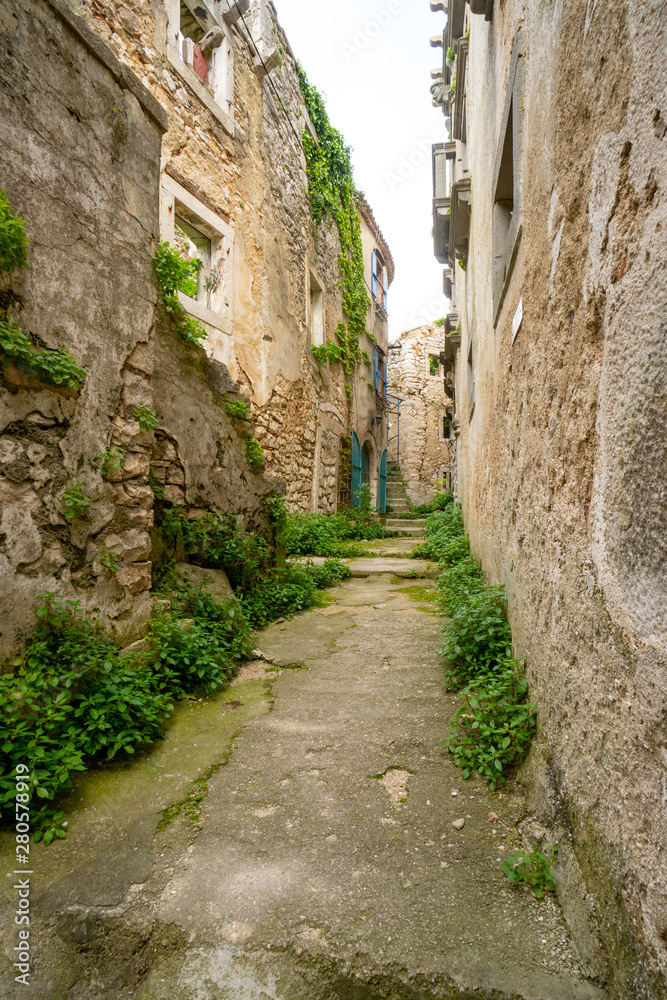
398, 522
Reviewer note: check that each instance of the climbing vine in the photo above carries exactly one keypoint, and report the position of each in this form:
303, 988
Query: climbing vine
334, 196
176, 274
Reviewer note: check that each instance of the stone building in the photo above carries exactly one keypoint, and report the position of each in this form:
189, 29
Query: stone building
550, 214
423, 419
156, 137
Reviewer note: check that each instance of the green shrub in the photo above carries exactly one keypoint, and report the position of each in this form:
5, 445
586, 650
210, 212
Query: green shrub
439, 502
74, 697
55, 367
534, 867
75, 501
450, 53
458, 582
254, 453
493, 727
330, 534
446, 542
70, 698
176, 274
288, 590
478, 638
146, 418
13, 241
237, 410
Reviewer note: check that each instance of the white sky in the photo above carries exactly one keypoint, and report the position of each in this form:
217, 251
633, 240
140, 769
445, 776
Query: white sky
371, 60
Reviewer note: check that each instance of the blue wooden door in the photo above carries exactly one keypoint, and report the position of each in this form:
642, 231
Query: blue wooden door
382, 483
356, 471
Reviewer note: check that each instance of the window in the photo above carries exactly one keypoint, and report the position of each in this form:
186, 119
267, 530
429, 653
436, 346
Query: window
434, 365
316, 312
446, 426
380, 369
379, 279
200, 49
507, 190
201, 234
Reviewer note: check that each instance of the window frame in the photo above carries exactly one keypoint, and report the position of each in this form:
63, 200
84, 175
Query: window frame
220, 98
314, 280
506, 237
221, 235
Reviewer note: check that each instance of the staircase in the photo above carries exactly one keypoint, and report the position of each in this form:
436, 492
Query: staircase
397, 499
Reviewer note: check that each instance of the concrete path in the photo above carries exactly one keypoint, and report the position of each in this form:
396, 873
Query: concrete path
308, 851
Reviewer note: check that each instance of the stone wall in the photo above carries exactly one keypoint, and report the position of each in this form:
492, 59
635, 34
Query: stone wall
423, 452
243, 160
80, 162
562, 463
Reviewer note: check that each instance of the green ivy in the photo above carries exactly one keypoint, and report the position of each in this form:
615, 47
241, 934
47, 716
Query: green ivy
55, 367
174, 273
75, 501
333, 196
254, 453
13, 241
146, 417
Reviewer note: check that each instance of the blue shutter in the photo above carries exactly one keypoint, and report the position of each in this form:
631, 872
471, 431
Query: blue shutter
384, 379
382, 483
374, 280
356, 471
376, 369
384, 287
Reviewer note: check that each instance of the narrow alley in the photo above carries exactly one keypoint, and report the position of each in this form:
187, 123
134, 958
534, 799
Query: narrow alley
321, 856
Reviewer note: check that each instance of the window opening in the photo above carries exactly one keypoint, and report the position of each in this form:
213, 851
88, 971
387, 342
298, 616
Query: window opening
379, 279
190, 33
471, 379
194, 246
446, 426
434, 365
503, 208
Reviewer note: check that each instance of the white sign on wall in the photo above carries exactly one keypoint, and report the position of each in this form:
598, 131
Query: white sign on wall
518, 317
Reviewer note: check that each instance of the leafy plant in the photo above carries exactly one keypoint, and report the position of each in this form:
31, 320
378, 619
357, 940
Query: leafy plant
478, 638
453, 82
254, 453
330, 534
461, 262
494, 726
13, 241
173, 273
146, 418
237, 410
56, 367
109, 560
450, 54
75, 501
534, 867
288, 590
112, 460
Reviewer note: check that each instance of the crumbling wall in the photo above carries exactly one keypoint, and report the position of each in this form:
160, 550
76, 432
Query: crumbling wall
424, 450
563, 463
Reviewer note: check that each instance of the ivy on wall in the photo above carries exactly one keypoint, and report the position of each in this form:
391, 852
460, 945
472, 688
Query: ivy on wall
334, 196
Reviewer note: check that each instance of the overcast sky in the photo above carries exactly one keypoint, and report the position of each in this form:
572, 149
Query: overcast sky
371, 60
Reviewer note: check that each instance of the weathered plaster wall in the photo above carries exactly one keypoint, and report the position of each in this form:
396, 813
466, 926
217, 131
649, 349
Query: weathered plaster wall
424, 452
562, 468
